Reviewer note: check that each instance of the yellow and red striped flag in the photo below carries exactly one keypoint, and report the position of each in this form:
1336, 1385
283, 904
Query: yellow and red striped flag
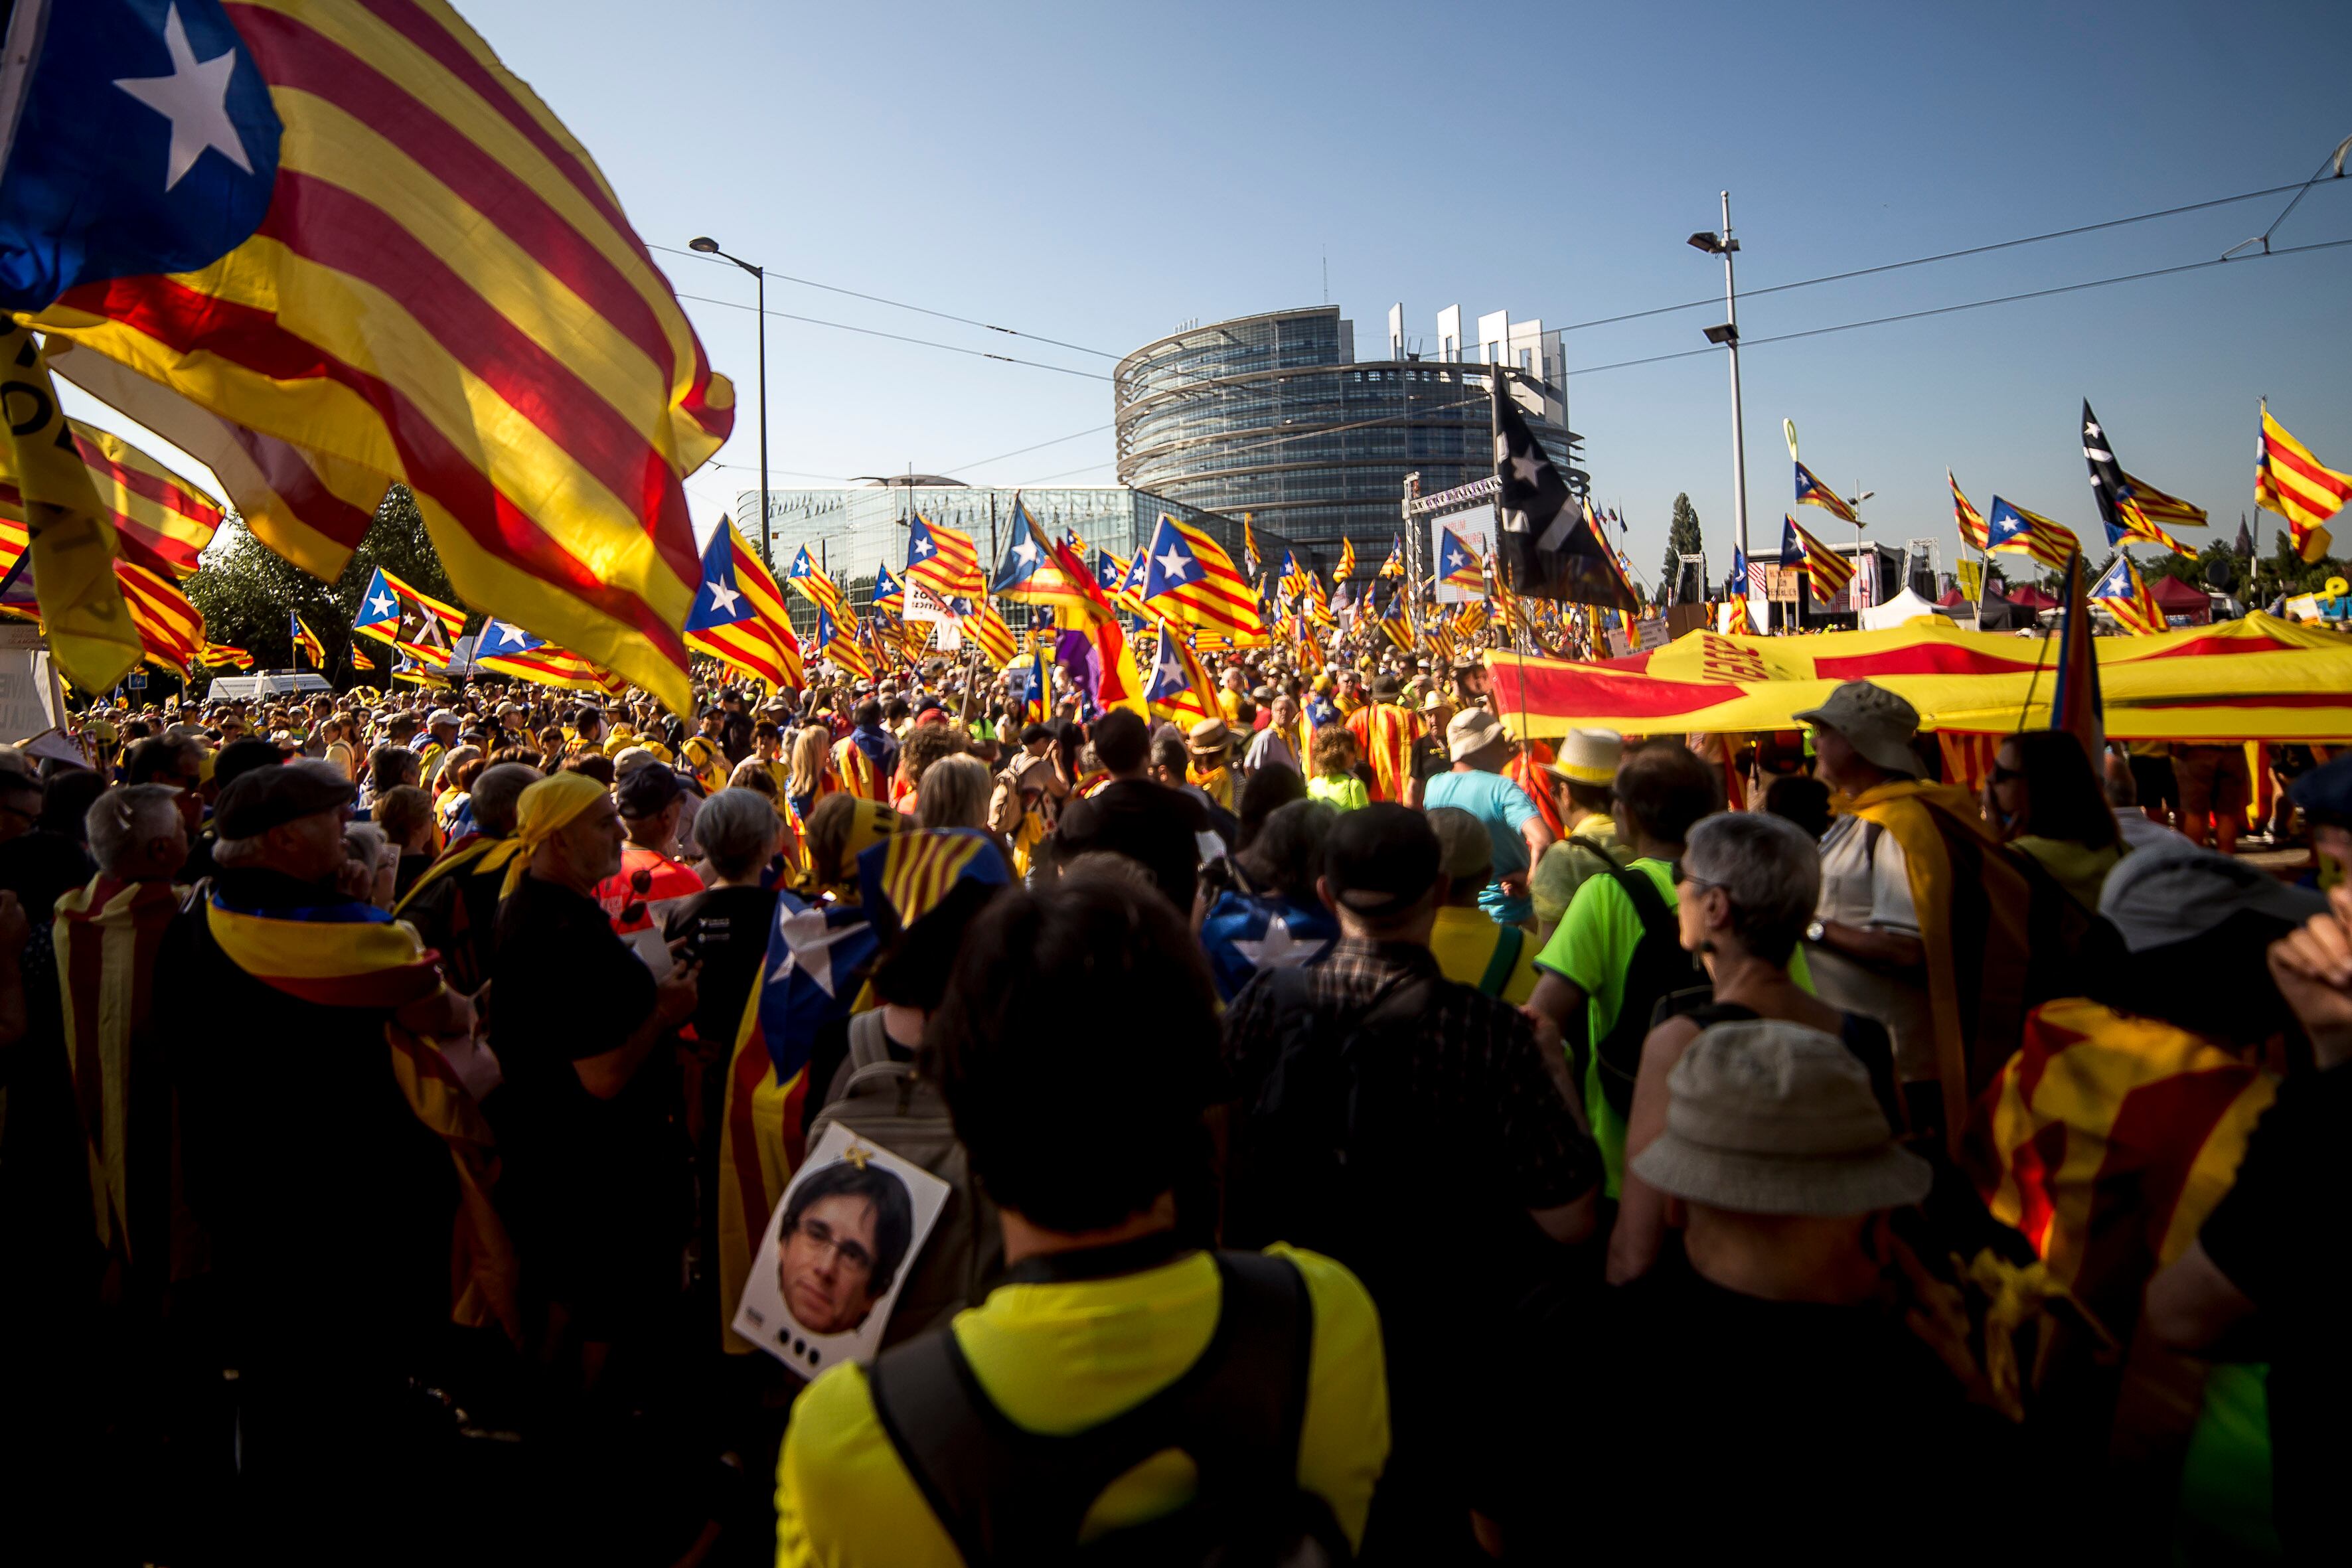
988, 628
221, 656
420, 276
1189, 578
944, 559
1250, 560
1346, 567
1178, 690
2013, 528
163, 520
2297, 486
171, 631
2125, 593
740, 616
1965, 517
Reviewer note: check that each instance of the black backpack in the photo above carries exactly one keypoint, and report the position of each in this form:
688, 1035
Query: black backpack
1008, 1495
1660, 967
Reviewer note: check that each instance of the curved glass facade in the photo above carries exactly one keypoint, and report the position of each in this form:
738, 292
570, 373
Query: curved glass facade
1273, 416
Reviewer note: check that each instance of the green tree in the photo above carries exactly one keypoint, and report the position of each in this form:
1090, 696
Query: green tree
1684, 537
245, 590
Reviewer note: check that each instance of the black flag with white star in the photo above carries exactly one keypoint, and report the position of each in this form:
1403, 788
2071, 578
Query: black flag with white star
1545, 548
2107, 482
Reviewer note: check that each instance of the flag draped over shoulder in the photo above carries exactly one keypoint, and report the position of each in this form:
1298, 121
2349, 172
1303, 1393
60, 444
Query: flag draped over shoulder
348, 954
2107, 1139
1999, 936
106, 953
383, 252
2297, 486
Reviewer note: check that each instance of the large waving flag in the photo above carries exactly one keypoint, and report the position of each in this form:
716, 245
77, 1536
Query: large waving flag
1458, 564
1824, 569
1810, 491
505, 648
840, 646
1181, 691
1037, 570
944, 558
2297, 486
1346, 567
344, 225
171, 631
2121, 507
817, 585
740, 616
2013, 529
1965, 517
1189, 578
163, 520
2125, 593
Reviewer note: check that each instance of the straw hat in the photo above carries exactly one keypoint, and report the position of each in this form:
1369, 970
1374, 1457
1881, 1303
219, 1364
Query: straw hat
1588, 757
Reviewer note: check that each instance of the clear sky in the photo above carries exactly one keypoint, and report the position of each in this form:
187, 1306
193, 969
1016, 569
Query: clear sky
1099, 173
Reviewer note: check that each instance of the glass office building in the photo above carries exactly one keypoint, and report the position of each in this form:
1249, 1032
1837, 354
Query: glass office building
1274, 416
851, 529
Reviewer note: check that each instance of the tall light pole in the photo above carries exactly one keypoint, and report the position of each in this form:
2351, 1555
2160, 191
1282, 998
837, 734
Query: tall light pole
1728, 334
710, 247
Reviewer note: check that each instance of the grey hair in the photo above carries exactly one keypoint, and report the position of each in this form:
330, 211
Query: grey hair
736, 831
953, 792
1769, 869
120, 820
497, 794
363, 843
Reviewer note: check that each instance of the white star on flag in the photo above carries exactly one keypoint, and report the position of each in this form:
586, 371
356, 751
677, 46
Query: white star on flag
722, 597
1025, 552
1278, 949
381, 604
511, 635
194, 99
1524, 464
810, 943
1174, 563
924, 547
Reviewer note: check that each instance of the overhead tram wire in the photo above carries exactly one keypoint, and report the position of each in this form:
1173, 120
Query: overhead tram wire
1941, 256
899, 338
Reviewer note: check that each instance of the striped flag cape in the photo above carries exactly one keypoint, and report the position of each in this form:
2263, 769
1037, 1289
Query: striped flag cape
2125, 593
505, 648
889, 595
1826, 571
400, 268
349, 955
858, 774
2297, 486
171, 631
817, 585
1346, 567
1181, 691
1383, 732
2107, 1139
2013, 529
944, 559
740, 616
1965, 516
1189, 578
841, 647
106, 955
1810, 491
221, 656
306, 641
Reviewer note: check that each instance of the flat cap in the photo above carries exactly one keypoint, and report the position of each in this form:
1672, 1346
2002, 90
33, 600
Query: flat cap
267, 798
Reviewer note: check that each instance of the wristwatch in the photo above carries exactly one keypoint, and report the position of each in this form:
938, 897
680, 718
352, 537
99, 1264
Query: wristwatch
1815, 932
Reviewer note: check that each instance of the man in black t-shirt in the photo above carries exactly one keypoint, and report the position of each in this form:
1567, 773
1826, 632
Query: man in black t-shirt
1131, 816
578, 1025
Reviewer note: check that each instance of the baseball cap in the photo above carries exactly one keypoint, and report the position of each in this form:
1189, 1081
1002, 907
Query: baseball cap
647, 791
266, 797
1381, 858
440, 716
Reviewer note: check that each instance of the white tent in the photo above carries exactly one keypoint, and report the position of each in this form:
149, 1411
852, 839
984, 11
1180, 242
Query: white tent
1904, 607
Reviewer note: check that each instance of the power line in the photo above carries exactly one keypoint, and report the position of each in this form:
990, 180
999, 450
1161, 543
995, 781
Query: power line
1971, 305
1941, 256
903, 305
983, 462
899, 337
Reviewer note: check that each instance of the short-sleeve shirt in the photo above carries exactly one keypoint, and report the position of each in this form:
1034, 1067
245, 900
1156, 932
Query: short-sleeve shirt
1468, 945
1268, 747
1504, 808
1062, 1358
1340, 792
1592, 949
1866, 882
564, 988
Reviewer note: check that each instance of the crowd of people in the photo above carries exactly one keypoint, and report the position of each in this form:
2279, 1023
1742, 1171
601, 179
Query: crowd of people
1367, 1133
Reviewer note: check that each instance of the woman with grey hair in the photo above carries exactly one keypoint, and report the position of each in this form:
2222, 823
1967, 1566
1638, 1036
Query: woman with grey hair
1748, 884
953, 792
737, 834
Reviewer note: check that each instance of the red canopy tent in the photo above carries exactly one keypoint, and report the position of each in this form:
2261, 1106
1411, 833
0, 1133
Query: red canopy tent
2176, 597
2032, 598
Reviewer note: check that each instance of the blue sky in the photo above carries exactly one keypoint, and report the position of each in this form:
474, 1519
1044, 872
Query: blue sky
1099, 173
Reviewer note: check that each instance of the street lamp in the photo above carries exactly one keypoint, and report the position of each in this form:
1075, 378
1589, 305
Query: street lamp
1727, 335
710, 247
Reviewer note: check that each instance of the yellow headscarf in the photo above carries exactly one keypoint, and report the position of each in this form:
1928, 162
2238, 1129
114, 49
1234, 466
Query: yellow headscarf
541, 811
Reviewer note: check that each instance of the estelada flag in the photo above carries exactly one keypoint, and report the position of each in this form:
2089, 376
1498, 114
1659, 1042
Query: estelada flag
1189, 578
1458, 564
505, 648
2297, 486
890, 595
161, 520
943, 558
1810, 491
306, 641
2125, 593
987, 628
740, 616
1039, 571
1180, 689
1825, 570
815, 585
839, 645
1346, 567
2013, 528
379, 249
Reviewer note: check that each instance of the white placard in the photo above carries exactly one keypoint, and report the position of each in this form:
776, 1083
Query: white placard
822, 1293
922, 604
29, 700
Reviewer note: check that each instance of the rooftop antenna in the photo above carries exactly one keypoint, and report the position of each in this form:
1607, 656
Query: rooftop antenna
1327, 274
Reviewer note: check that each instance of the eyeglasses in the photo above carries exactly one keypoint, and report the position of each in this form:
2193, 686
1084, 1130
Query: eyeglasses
853, 1254
2001, 776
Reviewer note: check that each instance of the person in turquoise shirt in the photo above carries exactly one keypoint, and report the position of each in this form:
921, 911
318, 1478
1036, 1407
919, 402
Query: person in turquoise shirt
1476, 742
1662, 790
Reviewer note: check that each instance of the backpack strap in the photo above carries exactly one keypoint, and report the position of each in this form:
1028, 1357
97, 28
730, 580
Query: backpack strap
1647, 905
1005, 1494
1509, 943
869, 1042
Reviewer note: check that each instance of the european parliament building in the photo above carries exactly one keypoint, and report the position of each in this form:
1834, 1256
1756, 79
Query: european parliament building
1274, 416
